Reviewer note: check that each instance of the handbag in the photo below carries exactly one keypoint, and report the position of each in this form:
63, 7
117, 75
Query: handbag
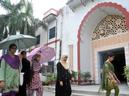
21, 74
21, 78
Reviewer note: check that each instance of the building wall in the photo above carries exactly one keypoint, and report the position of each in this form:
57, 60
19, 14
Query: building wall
51, 25
56, 40
68, 23
71, 23
43, 35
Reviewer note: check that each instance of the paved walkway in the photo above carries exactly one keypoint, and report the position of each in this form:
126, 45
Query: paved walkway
86, 90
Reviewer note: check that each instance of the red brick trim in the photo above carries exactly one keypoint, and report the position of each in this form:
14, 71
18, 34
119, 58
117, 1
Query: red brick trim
50, 10
52, 42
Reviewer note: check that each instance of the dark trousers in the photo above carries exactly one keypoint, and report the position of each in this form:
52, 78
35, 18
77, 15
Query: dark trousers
22, 90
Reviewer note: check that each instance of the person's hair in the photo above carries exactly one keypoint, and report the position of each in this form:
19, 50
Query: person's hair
23, 52
64, 56
12, 45
110, 54
36, 56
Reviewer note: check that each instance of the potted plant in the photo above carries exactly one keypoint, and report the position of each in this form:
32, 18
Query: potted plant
87, 76
126, 73
51, 78
75, 75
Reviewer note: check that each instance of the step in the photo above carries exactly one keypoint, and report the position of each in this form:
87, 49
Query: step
76, 94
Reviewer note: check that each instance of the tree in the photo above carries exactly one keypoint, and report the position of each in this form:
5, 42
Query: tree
38, 23
19, 17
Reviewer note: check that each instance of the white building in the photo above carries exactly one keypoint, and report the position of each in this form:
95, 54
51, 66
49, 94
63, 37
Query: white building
86, 30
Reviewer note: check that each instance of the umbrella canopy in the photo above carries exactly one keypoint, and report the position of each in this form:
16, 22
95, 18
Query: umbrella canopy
47, 53
22, 41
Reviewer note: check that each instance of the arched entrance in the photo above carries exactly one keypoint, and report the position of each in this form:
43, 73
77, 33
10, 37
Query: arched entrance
110, 32
91, 44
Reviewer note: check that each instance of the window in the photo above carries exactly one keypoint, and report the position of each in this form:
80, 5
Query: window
52, 32
38, 39
50, 67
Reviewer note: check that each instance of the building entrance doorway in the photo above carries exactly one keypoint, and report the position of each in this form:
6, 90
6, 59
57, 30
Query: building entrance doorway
119, 62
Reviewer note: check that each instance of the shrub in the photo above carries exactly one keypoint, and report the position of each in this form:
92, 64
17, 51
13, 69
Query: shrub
75, 75
126, 72
85, 75
51, 78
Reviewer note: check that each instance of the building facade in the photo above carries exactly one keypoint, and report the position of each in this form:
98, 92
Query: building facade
86, 30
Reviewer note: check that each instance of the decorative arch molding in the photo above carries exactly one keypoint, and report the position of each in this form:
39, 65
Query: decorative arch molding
111, 25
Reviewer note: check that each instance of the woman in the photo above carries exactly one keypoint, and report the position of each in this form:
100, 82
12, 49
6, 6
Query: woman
26, 76
109, 79
36, 84
9, 72
63, 86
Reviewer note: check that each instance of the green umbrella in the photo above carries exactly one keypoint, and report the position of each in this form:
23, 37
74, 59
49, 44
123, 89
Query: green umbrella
22, 41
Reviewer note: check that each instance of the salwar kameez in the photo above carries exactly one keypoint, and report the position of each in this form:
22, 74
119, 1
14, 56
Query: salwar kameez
9, 73
108, 80
36, 83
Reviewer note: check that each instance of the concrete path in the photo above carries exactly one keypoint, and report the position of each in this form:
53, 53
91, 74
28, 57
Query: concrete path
90, 90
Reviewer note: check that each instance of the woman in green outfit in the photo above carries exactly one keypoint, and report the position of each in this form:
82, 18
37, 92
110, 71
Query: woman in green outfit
109, 79
9, 72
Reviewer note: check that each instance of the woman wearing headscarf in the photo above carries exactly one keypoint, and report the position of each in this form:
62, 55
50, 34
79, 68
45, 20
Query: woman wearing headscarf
63, 86
9, 72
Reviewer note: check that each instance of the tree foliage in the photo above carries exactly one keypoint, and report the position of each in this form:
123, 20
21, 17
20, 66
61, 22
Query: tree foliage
19, 17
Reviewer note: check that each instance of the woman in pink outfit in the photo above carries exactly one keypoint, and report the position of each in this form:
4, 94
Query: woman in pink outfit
35, 84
